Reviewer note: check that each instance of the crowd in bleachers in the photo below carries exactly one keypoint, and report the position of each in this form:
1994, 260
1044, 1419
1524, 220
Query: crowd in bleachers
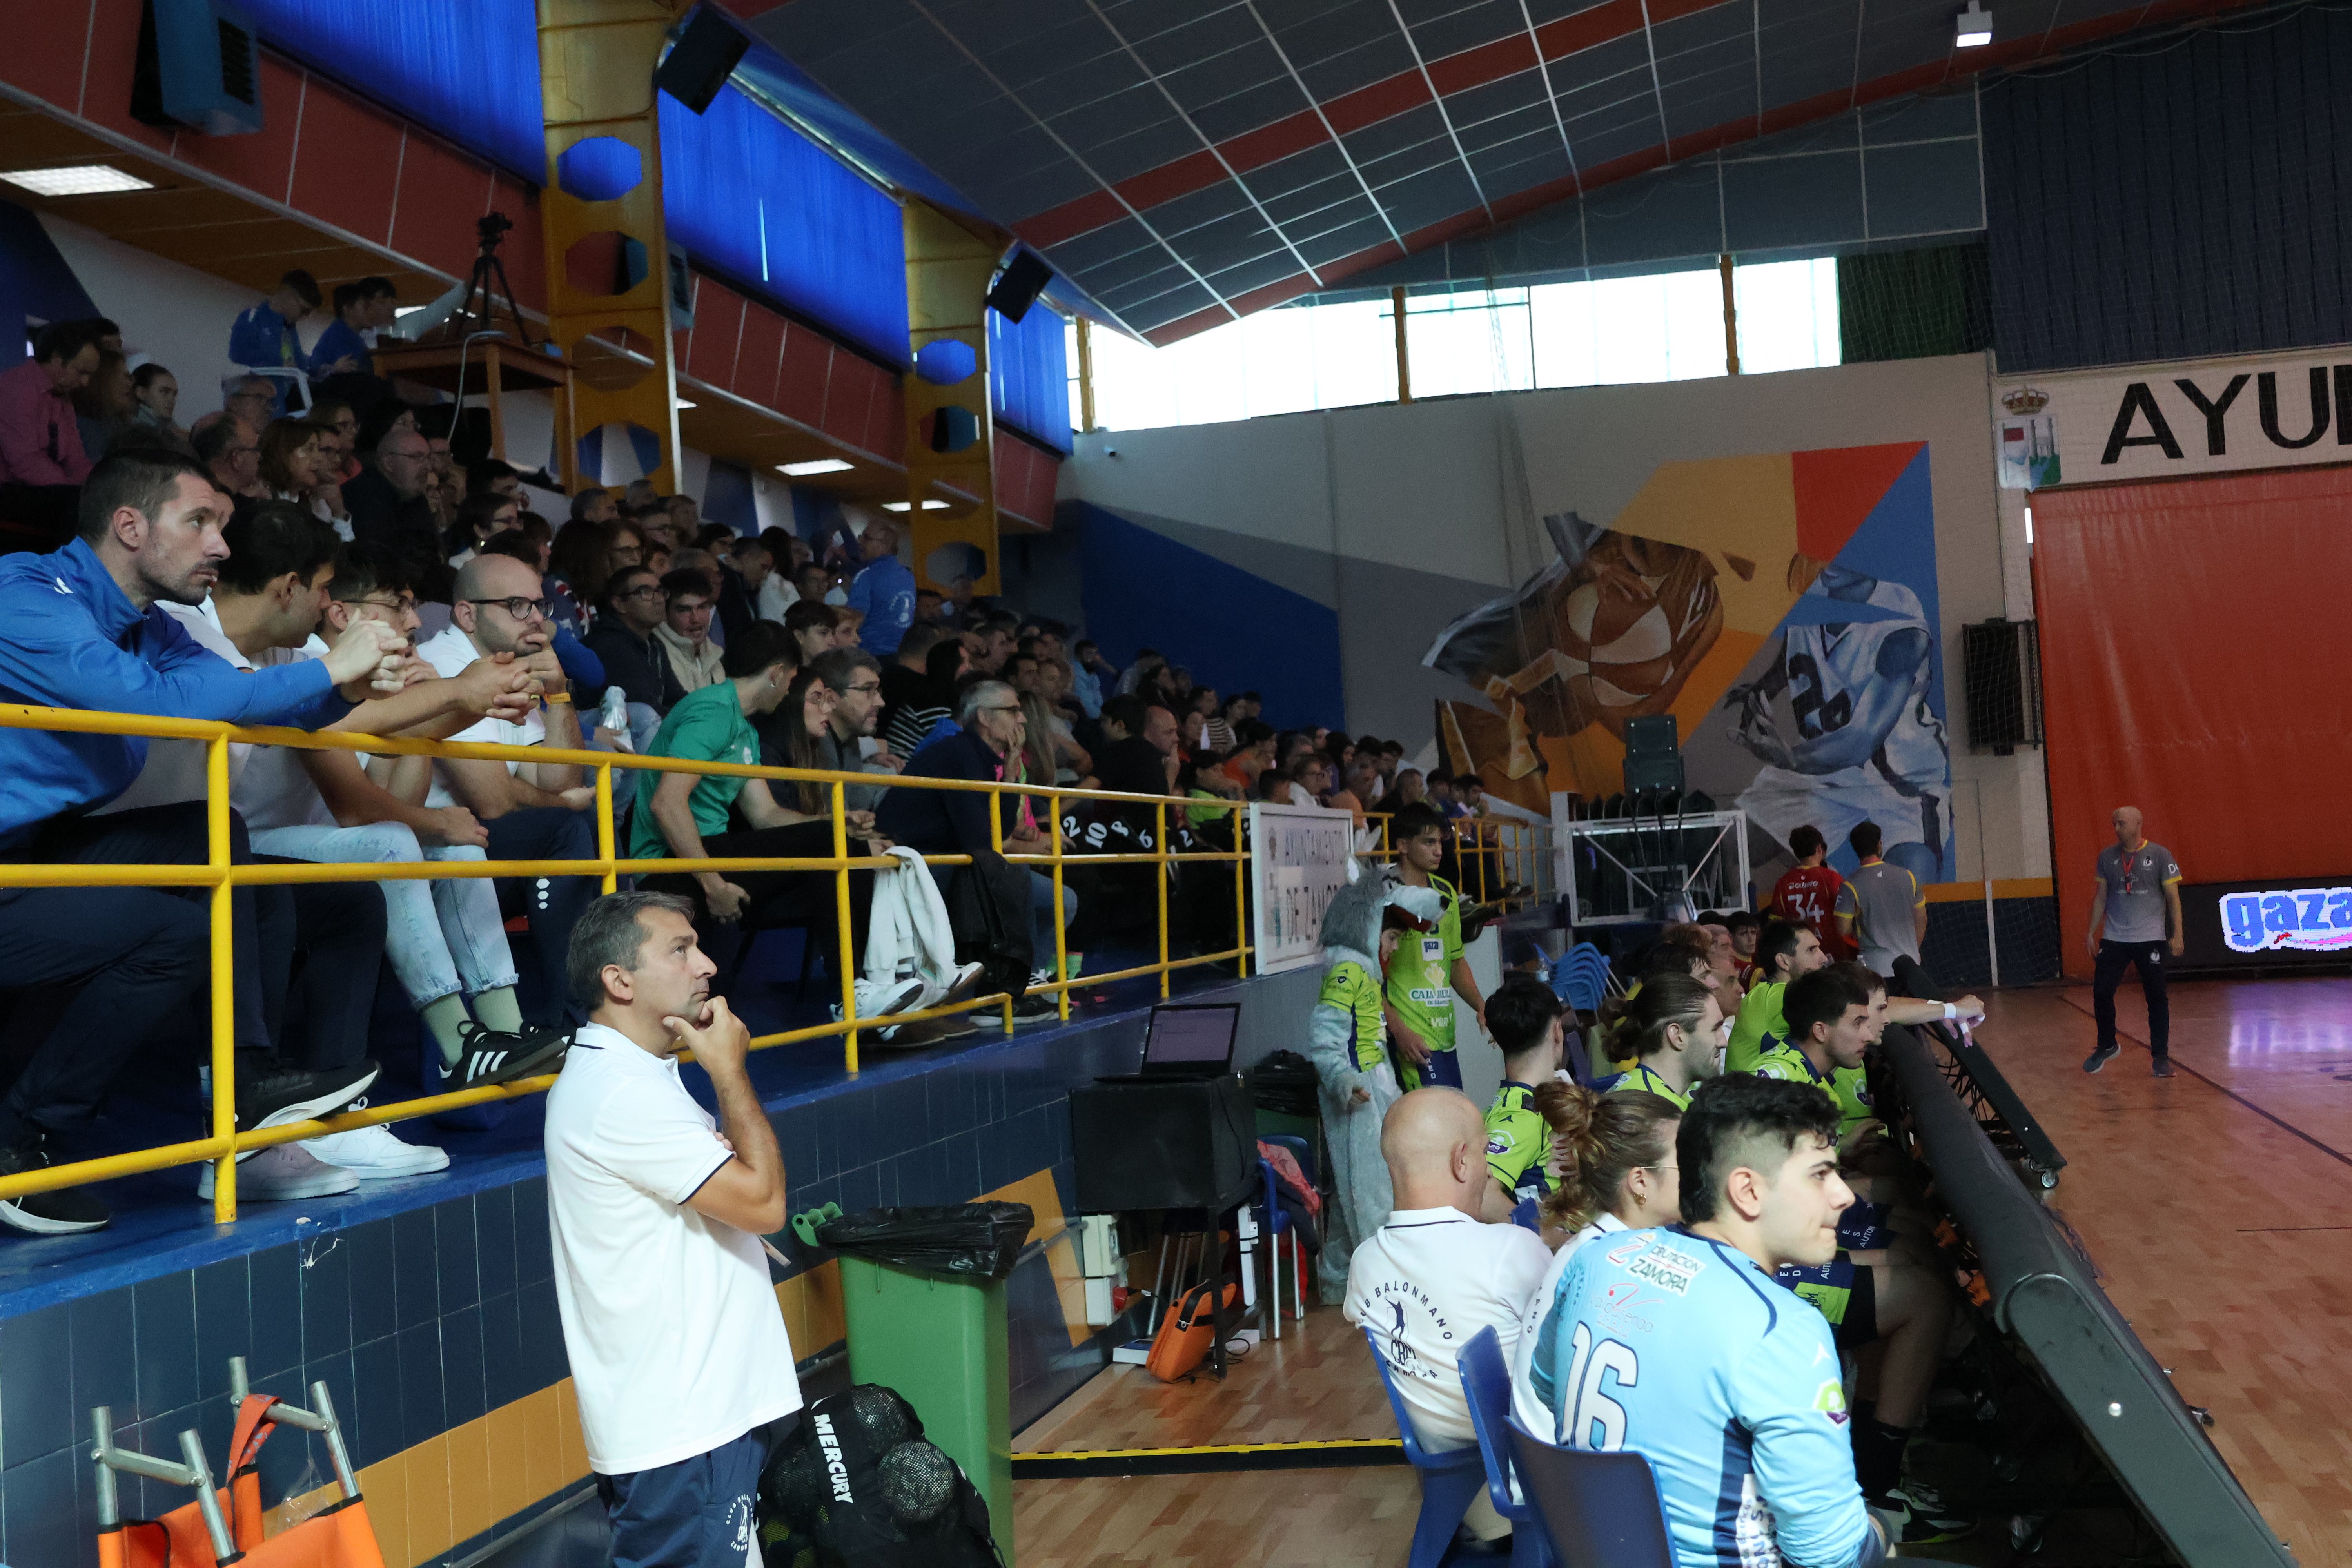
317, 552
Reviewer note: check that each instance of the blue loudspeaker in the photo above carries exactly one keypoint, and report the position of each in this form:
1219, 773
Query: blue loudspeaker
199, 68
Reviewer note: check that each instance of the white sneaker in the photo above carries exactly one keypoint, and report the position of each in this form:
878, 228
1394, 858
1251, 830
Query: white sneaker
374, 1154
284, 1171
879, 999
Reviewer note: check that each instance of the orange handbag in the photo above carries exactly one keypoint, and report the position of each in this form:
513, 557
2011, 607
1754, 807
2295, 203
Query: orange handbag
1188, 1333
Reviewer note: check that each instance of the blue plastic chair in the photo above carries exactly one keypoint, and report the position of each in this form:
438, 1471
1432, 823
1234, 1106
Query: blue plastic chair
1448, 1480
1486, 1385
1581, 976
1596, 1508
1273, 1227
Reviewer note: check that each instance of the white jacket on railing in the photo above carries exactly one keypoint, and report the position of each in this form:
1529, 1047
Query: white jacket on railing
909, 934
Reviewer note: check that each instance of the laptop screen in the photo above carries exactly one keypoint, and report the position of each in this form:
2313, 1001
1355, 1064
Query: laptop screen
1192, 1036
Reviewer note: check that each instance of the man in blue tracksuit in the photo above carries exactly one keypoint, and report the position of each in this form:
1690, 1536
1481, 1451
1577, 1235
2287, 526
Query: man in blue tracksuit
884, 593
1677, 1344
84, 629
263, 338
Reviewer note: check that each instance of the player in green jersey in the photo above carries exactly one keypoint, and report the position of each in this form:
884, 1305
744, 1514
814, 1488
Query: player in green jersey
1526, 1021
1783, 953
1428, 980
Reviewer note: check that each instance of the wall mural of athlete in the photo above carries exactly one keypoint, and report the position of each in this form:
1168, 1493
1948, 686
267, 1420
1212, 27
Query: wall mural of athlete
1867, 746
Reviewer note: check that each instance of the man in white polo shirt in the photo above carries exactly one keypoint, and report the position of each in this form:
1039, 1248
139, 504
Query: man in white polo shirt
678, 1353
1429, 1278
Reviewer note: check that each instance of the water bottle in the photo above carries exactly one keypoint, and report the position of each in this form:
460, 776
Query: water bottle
614, 716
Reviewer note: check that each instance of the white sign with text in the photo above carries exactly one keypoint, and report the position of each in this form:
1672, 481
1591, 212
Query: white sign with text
1299, 857
2189, 416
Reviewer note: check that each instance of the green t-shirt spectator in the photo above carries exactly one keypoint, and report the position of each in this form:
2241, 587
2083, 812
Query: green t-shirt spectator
708, 726
1419, 979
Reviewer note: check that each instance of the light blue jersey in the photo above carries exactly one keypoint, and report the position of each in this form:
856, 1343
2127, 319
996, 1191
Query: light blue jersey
1684, 1351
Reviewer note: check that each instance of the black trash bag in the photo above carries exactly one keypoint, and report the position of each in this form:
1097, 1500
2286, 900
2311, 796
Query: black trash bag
855, 1485
977, 1240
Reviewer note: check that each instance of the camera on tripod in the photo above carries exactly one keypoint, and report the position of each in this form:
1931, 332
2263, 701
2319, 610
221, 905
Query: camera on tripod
477, 314
490, 228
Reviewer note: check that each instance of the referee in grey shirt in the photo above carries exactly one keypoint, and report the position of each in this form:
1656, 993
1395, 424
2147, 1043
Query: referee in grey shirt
2139, 891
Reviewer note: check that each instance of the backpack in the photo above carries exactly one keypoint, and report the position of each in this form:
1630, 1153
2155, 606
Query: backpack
988, 907
854, 1484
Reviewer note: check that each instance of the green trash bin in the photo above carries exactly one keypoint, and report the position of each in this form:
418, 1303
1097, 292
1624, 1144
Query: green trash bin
922, 1300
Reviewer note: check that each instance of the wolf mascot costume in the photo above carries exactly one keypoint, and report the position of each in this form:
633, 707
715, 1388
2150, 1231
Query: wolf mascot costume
1348, 1042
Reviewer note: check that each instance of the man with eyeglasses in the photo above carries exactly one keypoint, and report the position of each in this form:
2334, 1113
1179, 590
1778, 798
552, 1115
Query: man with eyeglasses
390, 507
635, 606
532, 811
855, 679
230, 450
955, 822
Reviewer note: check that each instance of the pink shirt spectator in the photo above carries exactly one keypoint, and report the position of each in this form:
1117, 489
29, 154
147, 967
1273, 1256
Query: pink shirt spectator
39, 442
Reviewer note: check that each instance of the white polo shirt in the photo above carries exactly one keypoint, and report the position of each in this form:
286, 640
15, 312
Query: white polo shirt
677, 1342
449, 652
1425, 1283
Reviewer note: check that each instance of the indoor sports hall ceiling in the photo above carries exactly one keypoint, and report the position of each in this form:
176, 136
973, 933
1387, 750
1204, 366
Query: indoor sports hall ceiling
1186, 161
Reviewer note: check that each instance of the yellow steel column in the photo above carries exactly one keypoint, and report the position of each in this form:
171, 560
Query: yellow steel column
1162, 866
948, 269
1241, 895
216, 838
604, 826
847, 959
1085, 375
1061, 934
607, 261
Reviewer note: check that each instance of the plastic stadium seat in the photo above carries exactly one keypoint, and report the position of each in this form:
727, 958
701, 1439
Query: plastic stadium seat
1448, 1480
1597, 1509
1486, 1385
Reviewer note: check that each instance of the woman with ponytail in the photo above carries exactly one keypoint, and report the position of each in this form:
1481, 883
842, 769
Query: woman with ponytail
1669, 1031
1615, 1153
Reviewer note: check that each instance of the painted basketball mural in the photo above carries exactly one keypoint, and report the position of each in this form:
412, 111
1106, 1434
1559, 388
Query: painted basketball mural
1781, 607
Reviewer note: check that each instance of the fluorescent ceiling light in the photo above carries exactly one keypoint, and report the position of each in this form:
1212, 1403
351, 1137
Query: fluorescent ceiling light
817, 466
79, 180
901, 506
1973, 27
683, 403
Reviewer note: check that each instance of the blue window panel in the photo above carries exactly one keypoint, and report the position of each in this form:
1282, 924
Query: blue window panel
1029, 374
468, 69
750, 198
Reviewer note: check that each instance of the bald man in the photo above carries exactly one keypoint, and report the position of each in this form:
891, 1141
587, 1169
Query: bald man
2138, 903
1429, 1278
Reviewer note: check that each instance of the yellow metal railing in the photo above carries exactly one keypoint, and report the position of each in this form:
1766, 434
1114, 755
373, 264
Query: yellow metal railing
218, 873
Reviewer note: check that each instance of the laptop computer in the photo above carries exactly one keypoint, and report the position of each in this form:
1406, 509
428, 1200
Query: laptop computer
1187, 1040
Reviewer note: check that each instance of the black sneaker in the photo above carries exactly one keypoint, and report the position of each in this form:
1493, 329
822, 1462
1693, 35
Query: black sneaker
2163, 1067
494, 1056
1916, 1516
1031, 1009
270, 1093
63, 1212
2101, 1058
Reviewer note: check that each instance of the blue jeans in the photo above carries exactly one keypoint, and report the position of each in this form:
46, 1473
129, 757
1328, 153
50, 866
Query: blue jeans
443, 937
696, 1513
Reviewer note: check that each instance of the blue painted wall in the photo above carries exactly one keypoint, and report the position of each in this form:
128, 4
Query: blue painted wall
1234, 629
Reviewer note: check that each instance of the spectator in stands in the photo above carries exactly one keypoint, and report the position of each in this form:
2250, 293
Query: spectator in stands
912, 702
262, 338
294, 467
812, 624
744, 570
41, 456
855, 680
345, 339
532, 811
1882, 909
389, 507
1407, 788
777, 594
230, 449
1726, 1352
1724, 966
1747, 929
1784, 953
1525, 1019
1216, 730
1440, 787
635, 605
84, 629
811, 583
685, 513
342, 444
1310, 778
252, 399
955, 822
155, 391
1361, 785
684, 635
1094, 676
591, 504
446, 939
103, 407
1141, 756
1433, 1277
480, 519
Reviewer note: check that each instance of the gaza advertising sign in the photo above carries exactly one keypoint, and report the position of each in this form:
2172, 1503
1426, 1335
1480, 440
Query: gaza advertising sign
2305, 919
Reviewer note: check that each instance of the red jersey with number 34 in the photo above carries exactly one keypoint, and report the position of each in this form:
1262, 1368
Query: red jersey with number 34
1808, 896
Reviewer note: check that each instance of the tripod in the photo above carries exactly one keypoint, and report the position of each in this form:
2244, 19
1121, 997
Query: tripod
488, 283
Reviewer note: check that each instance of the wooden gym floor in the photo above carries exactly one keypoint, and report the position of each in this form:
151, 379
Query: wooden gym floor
2218, 1205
